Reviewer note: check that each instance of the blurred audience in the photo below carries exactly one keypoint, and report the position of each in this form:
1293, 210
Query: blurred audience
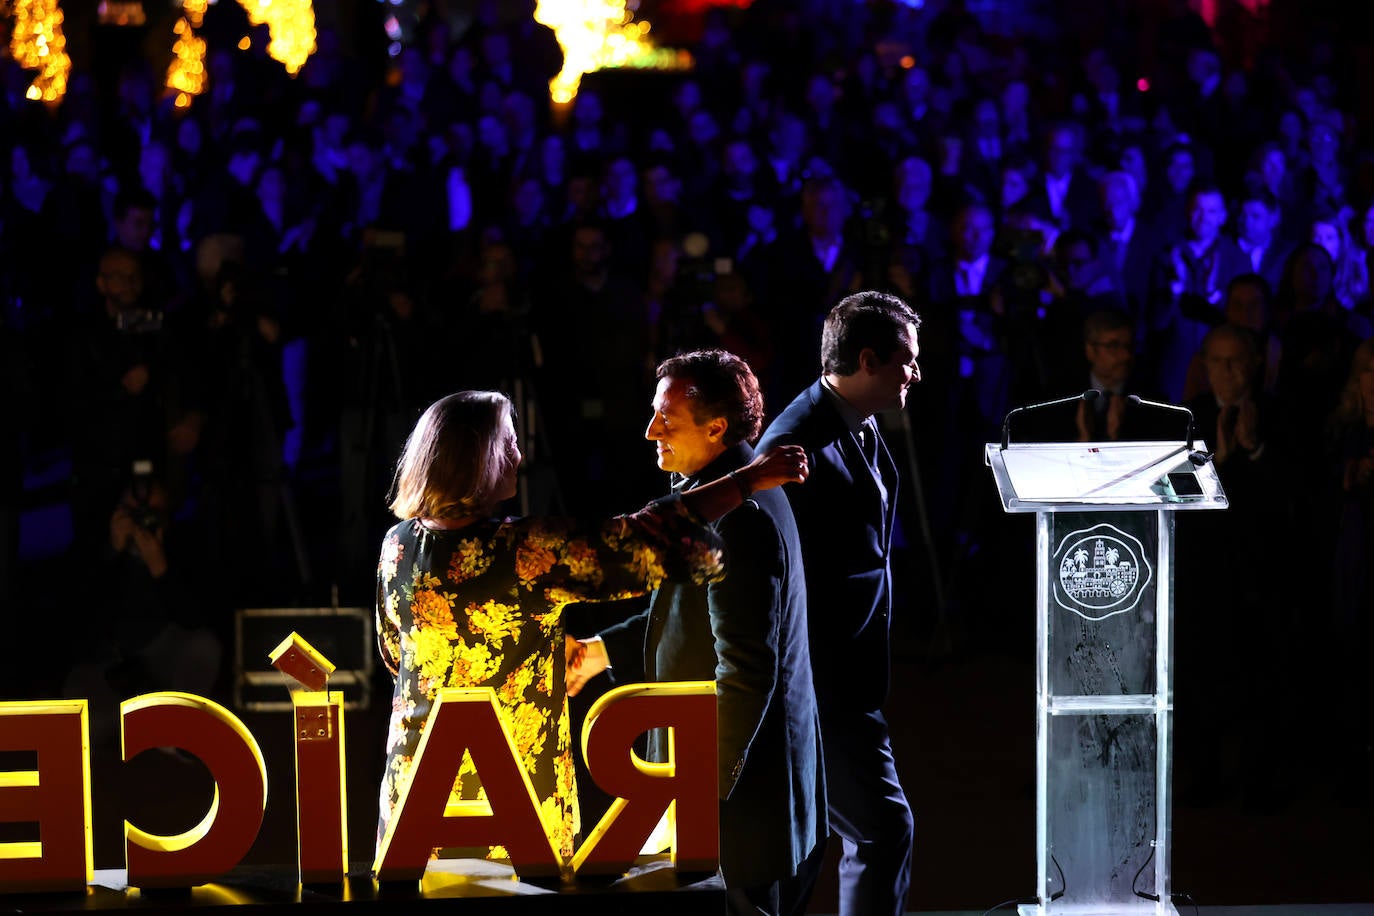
255, 294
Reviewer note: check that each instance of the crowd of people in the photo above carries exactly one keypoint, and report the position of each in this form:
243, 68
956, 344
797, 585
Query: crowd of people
220, 322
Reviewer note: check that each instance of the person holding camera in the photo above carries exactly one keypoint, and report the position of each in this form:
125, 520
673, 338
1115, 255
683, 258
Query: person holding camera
158, 642
128, 392
148, 636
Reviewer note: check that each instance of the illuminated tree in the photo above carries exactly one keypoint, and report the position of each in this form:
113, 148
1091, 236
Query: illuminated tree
37, 43
290, 26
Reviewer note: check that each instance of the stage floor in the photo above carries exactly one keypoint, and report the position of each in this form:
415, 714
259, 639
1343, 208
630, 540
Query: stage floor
1296, 909
483, 887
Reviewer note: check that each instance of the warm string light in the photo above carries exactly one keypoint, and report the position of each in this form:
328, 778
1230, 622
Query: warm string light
37, 43
186, 72
291, 25
597, 34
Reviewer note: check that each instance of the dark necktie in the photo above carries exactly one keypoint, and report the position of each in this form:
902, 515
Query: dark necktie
868, 443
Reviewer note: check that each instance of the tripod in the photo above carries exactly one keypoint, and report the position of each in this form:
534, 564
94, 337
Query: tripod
539, 490
364, 460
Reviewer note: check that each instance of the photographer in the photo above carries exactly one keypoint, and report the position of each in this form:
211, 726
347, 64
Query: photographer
138, 570
149, 636
128, 394
694, 301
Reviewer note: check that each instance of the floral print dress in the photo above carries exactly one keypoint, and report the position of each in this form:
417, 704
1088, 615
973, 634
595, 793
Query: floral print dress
481, 606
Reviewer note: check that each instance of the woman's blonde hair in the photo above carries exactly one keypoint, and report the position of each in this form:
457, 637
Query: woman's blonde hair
455, 457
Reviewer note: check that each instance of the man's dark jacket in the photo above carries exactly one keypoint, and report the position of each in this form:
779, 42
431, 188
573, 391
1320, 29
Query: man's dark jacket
748, 633
848, 530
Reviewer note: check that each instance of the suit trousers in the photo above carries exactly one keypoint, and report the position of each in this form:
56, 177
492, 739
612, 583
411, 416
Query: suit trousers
869, 811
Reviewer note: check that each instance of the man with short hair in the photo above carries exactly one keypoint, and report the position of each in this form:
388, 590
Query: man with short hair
1064, 195
1257, 234
1189, 285
1106, 365
133, 227
131, 399
1232, 412
970, 290
747, 633
1129, 243
593, 308
809, 268
845, 515
627, 227
1238, 577
1109, 347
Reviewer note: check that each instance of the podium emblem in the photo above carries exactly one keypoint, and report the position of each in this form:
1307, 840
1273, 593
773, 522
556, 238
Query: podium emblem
1102, 572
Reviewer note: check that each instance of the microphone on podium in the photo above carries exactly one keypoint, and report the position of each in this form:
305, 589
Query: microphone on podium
1090, 395
1179, 408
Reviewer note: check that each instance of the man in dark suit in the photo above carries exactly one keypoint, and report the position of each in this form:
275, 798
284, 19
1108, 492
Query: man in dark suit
845, 514
982, 166
1189, 285
969, 299
1257, 233
1241, 574
1129, 244
1065, 195
1108, 367
747, 632
808, 270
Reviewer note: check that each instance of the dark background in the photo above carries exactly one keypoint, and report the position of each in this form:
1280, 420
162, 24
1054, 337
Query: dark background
1287, 714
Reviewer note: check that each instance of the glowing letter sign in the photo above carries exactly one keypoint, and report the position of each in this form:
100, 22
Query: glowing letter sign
55, 794
643, 791
465, 720
224, 836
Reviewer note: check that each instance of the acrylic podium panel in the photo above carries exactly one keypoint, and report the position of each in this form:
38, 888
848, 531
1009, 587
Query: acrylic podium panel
1104, 675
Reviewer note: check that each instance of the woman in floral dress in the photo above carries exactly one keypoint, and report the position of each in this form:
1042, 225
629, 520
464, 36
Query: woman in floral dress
468, 600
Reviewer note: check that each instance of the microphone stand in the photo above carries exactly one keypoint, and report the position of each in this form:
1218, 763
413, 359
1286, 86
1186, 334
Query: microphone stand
1090, 395
1196, 457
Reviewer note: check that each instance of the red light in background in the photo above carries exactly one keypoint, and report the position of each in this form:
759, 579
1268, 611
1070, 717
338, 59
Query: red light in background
1142, 84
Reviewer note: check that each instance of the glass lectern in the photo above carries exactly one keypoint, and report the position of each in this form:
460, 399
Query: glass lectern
1104, 515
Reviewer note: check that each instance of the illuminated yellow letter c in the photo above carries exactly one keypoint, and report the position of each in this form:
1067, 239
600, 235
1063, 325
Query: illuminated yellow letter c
231, 754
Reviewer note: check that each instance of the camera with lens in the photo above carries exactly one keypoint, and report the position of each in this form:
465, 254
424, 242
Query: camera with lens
144, 514
696, 273
1023, 247
138, 321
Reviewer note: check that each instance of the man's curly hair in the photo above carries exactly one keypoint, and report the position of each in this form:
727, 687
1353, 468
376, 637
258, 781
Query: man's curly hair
720, 384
